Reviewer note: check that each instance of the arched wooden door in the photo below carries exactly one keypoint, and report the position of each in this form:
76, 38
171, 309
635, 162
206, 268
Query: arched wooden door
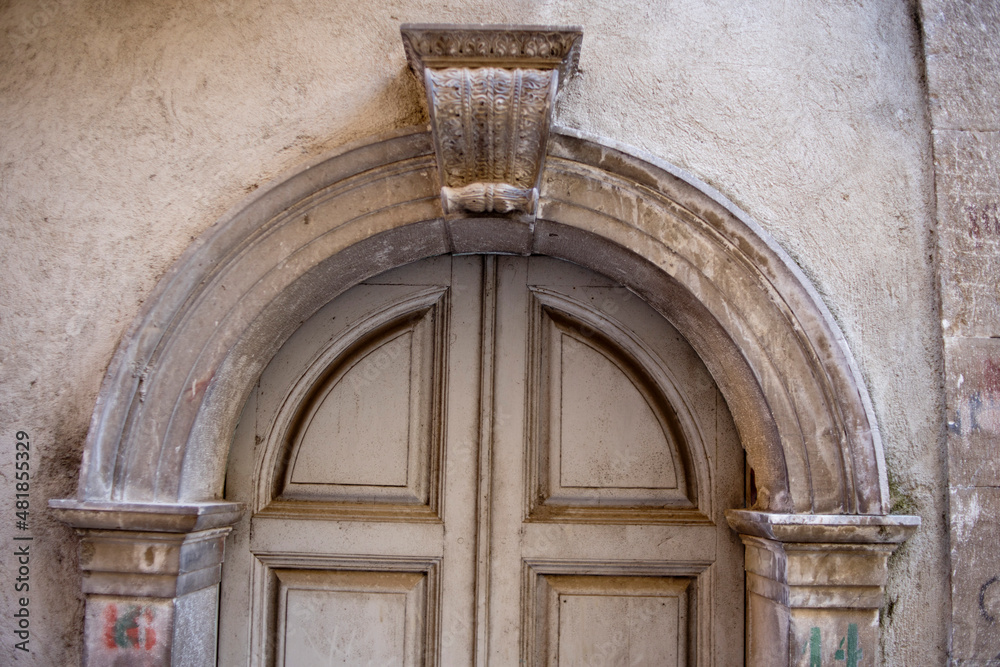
485, 460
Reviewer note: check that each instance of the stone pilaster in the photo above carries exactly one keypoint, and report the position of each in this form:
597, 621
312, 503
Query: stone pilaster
151, 577
815, 584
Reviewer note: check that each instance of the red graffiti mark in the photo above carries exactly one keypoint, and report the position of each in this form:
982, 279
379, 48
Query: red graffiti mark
991, 376
110, 616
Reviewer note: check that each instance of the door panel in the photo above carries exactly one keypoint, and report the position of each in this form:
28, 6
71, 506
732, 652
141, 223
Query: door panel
367, 430
611, 620
605, 433
484, 460
350, 618
355, 452
605, 516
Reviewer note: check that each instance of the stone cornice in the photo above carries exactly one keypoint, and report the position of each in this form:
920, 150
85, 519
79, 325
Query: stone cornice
506, 46
824, 528
158, 517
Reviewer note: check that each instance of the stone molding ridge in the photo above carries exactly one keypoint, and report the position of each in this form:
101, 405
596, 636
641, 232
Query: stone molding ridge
824, 528
149, 517
489, 198
491, 92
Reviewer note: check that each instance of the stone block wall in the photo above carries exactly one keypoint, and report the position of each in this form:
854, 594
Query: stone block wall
963, 61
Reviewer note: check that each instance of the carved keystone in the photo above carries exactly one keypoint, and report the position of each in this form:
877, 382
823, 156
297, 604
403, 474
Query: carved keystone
490, 92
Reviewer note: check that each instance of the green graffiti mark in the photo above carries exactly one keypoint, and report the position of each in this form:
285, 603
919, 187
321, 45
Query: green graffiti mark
814, 645
125, 631
852, 656
854, 651
127, 626
853, 648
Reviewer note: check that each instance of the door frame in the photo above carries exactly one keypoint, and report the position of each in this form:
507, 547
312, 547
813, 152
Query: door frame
154, 462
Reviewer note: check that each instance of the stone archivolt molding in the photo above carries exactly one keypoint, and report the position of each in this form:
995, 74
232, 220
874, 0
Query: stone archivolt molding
174, 389
491, 93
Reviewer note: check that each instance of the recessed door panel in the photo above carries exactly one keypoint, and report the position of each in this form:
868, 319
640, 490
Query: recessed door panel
365, 432
614, 440
610, 434
359, 432
351, 618
612, 620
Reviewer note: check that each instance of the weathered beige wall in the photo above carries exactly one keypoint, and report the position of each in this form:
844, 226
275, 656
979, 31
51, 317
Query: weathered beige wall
128, 128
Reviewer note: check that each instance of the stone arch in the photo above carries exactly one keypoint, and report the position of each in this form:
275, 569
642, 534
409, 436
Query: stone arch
161, 428
152, 477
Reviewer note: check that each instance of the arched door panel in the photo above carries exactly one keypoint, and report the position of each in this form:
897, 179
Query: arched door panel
360, 430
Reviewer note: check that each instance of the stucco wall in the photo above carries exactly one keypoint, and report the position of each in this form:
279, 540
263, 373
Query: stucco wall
128, 128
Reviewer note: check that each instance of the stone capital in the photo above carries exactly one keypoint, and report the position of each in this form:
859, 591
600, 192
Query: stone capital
148, 564
825, 528
158, 550
815, 583
151, 573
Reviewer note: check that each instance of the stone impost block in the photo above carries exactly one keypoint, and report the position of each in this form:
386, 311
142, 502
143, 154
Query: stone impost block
150, 550
815, 584
158, 517
118, 562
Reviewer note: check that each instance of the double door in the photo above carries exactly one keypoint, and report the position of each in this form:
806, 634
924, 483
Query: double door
484, 460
